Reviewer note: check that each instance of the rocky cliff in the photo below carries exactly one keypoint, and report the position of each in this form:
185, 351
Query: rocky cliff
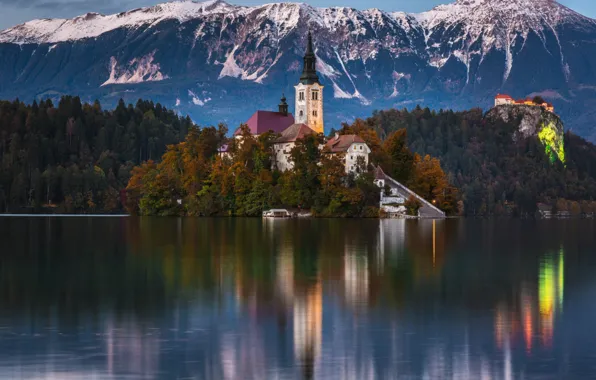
535, 121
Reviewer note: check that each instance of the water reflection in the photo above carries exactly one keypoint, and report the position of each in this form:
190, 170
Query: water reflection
314, 299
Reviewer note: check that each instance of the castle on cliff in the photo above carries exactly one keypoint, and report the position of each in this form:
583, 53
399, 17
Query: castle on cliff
501, 99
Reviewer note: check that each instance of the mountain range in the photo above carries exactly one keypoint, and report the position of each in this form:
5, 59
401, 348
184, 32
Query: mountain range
219, 62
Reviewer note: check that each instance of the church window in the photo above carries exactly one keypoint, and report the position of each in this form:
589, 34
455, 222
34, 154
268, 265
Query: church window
301, 95
315, 95
314, 113
301, 113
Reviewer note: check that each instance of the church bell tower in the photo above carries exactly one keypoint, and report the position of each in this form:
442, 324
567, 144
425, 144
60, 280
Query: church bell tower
309, 93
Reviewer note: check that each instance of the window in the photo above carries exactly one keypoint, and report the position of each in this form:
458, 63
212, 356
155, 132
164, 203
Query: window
301, 95
315, 95
360, 147
314, 113
301, 113
351, 157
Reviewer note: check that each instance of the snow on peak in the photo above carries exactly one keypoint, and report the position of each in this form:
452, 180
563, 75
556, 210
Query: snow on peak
94, 24
477, 16
530, 13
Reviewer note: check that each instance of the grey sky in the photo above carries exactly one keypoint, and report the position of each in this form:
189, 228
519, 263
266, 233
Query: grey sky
13, 12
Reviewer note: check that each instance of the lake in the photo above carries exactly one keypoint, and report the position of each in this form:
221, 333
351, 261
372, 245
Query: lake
186, 298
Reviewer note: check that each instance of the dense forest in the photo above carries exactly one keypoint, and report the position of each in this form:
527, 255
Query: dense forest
193, 179
143, 158
495, 173
76, 158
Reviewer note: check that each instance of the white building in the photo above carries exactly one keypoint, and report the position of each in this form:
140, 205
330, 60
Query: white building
308, 120
354, 150
286, 142
501, 99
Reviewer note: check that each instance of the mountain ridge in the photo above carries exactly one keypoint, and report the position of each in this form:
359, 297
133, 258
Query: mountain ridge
205, 58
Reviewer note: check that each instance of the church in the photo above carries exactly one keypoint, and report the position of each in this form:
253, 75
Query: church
309, 119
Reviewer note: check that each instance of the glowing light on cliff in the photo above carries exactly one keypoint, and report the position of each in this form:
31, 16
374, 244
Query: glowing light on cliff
553, 142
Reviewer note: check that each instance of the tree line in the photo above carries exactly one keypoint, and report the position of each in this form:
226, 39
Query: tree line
192, 178
75, 157
144, 158
495, 173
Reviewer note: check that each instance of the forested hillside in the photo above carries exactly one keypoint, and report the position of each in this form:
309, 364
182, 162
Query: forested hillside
496, 172
74, 157
79, 158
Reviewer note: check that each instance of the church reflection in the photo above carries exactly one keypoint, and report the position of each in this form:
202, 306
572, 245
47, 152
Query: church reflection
311, 299
130, 349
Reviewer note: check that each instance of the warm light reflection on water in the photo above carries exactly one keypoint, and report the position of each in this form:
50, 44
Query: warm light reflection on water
314, 299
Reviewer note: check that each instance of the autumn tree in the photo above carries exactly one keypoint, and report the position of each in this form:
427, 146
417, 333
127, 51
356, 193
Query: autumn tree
401, 165
431, 183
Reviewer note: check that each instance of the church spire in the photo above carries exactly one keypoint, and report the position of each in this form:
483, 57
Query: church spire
309, 71
283, 106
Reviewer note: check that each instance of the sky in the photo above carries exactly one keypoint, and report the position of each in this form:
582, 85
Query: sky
13, 12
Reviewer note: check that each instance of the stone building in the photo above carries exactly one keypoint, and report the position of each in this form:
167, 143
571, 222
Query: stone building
309, 119
501, 99
286, 142
309, 93
354, 150
394, 196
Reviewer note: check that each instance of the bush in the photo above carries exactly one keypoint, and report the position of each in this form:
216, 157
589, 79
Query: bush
538, 100
413, 205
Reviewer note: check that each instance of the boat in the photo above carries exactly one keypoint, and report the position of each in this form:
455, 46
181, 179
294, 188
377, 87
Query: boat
277, 213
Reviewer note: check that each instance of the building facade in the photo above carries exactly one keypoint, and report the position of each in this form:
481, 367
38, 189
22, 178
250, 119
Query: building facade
309, 93
354, 150
308, 120
501, 99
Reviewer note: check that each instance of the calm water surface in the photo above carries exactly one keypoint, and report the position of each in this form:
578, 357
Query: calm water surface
126, 298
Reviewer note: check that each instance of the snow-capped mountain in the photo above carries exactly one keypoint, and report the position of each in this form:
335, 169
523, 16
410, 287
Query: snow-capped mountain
206, 58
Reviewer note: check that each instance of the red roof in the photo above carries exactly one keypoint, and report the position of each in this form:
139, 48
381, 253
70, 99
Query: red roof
341, 143
379, 173
295, 132
265, 121
501, 96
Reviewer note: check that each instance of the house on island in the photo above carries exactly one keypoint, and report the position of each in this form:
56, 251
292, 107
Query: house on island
309, 120
269, 121
286, 142
354, 150
502, 99
393, 201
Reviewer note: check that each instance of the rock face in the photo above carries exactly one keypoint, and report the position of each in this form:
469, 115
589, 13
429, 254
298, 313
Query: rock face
534, 121
207, 58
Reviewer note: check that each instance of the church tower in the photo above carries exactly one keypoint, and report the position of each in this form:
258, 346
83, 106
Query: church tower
309, 93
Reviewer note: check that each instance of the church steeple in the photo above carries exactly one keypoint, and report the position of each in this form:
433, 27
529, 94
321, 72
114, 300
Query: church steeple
309, 93
283, 106
309, 71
